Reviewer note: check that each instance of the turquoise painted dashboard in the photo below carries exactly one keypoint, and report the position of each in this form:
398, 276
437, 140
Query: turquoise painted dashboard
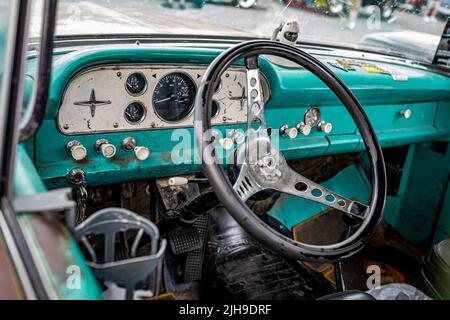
293, 91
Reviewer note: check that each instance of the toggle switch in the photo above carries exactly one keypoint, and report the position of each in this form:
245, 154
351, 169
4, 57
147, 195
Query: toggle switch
107, 149
76, 150
325, 126
303, 128
288, 132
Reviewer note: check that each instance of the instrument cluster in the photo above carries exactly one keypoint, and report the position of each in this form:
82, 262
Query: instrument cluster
124, 98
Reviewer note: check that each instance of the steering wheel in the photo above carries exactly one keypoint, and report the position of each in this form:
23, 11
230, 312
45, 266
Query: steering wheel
263, 167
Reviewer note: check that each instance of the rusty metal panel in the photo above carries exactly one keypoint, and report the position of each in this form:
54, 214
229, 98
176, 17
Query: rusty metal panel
11, 288
56, 253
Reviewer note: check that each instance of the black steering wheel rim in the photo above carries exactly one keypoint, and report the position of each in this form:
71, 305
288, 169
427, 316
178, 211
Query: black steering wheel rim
222, 186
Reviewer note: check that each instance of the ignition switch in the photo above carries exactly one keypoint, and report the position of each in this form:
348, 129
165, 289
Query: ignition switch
77, 177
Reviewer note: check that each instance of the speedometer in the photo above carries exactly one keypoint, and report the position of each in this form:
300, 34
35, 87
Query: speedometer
173, 97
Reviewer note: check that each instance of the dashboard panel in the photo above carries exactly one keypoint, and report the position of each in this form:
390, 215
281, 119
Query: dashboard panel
123, 98
293, 92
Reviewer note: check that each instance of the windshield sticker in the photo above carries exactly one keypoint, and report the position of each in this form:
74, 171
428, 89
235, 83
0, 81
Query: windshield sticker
349, 65
442, 55
340, 66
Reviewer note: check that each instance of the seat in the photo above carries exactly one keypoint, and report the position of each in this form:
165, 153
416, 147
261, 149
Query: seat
436, 270
129, 272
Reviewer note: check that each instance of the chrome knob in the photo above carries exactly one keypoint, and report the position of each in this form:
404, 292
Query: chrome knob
303, 128
406, 113
288, 132
107, 149
76, 150
325, 126
142, 153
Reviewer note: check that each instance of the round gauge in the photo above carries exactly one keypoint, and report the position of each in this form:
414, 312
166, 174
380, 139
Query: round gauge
134, 112
215, 109
312, 117
136, 83
174, 95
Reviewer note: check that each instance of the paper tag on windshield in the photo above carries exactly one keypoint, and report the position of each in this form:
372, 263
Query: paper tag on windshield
400, 77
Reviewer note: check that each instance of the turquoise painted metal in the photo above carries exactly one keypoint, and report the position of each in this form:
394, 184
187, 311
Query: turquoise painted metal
419, 207
26, 179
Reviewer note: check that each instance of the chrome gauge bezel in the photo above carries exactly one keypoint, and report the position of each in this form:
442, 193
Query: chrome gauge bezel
215, 114
191, 107
143, 90
143, 116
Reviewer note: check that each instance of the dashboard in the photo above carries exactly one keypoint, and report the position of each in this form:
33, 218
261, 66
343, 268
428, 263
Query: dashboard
144, 97
106, 102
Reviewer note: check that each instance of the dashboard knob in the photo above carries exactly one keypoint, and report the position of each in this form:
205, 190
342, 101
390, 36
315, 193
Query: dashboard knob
226, 143
288, 132
142, 153
406, 113
237, 136
76, 150
325, 126
107, 149
303, 128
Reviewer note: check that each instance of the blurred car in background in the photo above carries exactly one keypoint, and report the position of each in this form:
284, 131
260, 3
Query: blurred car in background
413, 43
245, 4
443, 9
340, 7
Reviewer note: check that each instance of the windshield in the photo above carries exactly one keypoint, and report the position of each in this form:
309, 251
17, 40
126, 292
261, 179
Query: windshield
410, 28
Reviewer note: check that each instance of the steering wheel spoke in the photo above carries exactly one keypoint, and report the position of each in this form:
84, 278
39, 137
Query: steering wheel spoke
256, 122
245, 186
298, 185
